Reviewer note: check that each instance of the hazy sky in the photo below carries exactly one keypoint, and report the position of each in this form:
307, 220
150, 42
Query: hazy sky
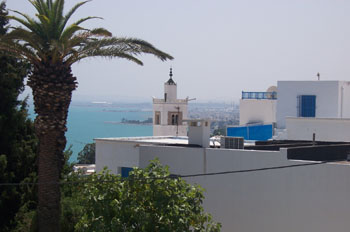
220, 47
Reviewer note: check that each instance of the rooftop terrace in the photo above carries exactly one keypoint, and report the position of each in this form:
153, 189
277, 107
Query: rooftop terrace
296, 149
259, 95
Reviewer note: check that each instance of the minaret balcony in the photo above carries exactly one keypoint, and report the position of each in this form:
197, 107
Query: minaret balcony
159, 101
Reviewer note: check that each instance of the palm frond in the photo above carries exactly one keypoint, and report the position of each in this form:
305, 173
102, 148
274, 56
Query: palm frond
20, 34
49, 37
70, 31
19, 51
101, 32
130, 45
29, 23
39, 6
146, 47
49, 4
127, 48
109, 53
69, 15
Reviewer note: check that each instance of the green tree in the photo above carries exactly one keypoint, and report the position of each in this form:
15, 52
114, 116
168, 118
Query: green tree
18, 143
51, 45
148, 200
87, 155
26, 217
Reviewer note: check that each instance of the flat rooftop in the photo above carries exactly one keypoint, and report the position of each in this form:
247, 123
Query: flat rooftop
180, 140
296, 149
161, 140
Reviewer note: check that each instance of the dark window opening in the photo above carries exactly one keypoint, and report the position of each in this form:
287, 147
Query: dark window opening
174, 119
157, 118
307, 106
125, 171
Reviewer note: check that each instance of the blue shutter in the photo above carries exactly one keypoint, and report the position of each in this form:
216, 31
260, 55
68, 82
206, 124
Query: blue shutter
307, 106
125, 171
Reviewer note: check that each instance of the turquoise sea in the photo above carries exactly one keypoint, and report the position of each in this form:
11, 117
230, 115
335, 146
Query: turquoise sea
87, 121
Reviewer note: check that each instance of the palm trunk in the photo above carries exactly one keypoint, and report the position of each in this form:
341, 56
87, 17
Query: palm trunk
52, 87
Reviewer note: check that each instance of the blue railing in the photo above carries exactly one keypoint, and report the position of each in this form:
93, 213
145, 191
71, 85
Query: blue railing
259, 95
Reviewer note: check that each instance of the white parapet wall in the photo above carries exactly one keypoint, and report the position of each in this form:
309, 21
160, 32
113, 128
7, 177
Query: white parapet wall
310, 198
325, 129
168, 130
257, 111
114, 154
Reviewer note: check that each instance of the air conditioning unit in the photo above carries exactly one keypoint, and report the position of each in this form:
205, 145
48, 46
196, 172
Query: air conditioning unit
232, 142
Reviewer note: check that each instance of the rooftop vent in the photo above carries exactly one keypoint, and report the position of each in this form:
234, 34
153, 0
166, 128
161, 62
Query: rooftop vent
199, 132
232, 142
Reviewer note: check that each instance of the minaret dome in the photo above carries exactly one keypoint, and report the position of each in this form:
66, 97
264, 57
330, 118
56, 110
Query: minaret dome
170, 89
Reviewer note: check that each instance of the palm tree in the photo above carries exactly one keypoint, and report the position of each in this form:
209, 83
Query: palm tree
51, 45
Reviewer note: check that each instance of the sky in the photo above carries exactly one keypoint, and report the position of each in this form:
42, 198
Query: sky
221, 47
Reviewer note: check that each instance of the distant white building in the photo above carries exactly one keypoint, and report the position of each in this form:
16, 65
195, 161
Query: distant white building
169, 112
300, 110
257, 115
312, 99
258, 107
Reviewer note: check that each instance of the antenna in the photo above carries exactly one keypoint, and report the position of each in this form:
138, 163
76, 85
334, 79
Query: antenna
177, 120
190, 99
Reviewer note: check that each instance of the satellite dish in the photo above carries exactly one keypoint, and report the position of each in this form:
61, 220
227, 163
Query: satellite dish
272, 89
271, 92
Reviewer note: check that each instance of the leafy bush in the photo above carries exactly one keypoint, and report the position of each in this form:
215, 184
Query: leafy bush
148, 200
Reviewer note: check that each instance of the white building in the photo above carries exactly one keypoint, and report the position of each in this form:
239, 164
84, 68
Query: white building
258, 107
300, 198
169, 112
312, 99
302, 110
309, 198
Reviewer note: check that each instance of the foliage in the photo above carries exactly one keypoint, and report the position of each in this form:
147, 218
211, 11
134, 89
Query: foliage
49, 38
148, 200
219, 131
27, 214
18, 143
87, 155
68, 166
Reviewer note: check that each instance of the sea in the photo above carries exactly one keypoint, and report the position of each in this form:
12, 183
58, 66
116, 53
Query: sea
89, 120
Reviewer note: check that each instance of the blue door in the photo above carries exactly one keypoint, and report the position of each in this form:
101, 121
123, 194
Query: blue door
125, 171
307, 106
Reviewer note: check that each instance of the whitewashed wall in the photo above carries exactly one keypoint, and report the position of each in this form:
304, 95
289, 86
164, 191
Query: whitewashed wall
199, 133
171, 91
116, 154
180, 159
327, 98
312, 199
345, 99
333, 129
169, 130
254, 110
164, 129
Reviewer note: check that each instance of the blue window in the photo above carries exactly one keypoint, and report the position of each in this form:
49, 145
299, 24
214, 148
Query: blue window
125, 171
307, 106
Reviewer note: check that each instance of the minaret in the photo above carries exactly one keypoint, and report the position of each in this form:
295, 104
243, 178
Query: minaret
169, 113
170, 89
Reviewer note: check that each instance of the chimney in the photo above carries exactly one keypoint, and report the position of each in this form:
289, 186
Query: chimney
199, 132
